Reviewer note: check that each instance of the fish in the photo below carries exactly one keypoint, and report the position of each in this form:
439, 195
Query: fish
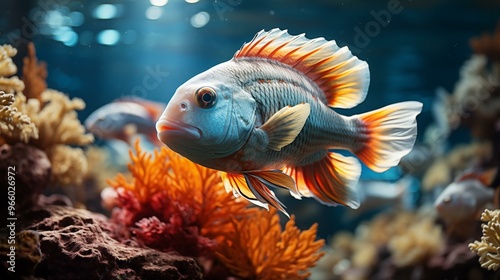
466, 197
265, 120
124, 118
376, 195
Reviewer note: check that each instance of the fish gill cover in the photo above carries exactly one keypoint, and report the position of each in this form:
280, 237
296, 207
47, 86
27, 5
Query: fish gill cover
172, 204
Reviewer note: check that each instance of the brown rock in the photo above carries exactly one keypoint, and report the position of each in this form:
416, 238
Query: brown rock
75, 245
31, 169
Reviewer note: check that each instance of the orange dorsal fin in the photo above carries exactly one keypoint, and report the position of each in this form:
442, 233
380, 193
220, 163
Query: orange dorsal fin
340, 75
486, 177
331, 180
254, 186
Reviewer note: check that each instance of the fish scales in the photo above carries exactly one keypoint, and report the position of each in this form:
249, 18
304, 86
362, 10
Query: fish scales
287, 87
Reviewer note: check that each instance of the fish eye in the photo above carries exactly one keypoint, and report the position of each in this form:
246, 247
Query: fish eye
206, 97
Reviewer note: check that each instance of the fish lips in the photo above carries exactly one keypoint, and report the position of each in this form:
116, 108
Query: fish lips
168, 129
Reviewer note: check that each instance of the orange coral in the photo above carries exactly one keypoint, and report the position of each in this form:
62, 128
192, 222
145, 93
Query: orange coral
185, 183
259, 249
487, 44
34, 75
179, 205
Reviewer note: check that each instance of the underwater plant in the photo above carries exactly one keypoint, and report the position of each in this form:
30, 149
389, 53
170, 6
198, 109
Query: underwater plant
173, 204
488, 248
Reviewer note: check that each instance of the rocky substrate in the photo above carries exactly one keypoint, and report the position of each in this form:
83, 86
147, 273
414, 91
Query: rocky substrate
60, 242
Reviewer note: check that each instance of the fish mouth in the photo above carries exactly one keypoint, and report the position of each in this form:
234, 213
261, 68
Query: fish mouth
168, 129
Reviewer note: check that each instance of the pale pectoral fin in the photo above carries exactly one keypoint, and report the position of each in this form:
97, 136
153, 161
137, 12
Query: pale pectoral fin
255, 185
331, 180
284, 126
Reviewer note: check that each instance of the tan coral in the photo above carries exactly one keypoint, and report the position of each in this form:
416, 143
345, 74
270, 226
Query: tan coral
421, 241
7, 66
58, 122
69, 165
7, 69
14, 125
100, 169
488, 248
11, 84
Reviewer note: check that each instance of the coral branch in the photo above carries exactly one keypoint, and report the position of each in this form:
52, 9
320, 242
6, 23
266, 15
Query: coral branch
14, 125
260, 249
34, 75
488, 248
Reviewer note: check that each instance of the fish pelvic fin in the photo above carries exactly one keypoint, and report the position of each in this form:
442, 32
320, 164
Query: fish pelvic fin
283, 127
255, 187
388, 134
342, 77
331, 180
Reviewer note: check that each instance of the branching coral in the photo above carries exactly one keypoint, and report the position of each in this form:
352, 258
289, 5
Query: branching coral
174, 204
69, 165
488, 248
289, 254
14, 125
8, 68
187, 201
34, 75
420, 242
58, 122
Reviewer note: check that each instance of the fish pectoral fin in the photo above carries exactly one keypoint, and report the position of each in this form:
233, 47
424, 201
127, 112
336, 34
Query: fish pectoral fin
284, 126
254, 186
331, 180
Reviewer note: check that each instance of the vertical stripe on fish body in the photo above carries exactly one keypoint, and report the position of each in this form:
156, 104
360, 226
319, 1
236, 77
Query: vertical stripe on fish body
265, 119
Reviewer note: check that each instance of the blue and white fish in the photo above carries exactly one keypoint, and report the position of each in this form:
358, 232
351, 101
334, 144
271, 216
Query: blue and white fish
264, 118
124, 118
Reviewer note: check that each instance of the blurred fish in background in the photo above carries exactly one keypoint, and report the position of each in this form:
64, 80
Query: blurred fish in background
124, 118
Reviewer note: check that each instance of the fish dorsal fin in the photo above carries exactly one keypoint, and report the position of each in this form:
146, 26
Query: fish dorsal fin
486, 177
342, 77
154, 109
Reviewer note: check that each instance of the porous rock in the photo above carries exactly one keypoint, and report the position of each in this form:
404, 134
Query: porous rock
75, 244
30, 172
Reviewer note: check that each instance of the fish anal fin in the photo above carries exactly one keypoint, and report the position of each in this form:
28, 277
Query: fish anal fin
331, 180
283, 127
338, 73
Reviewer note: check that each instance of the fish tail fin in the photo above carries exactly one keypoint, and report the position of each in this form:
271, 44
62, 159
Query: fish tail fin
332, 180
389, 134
